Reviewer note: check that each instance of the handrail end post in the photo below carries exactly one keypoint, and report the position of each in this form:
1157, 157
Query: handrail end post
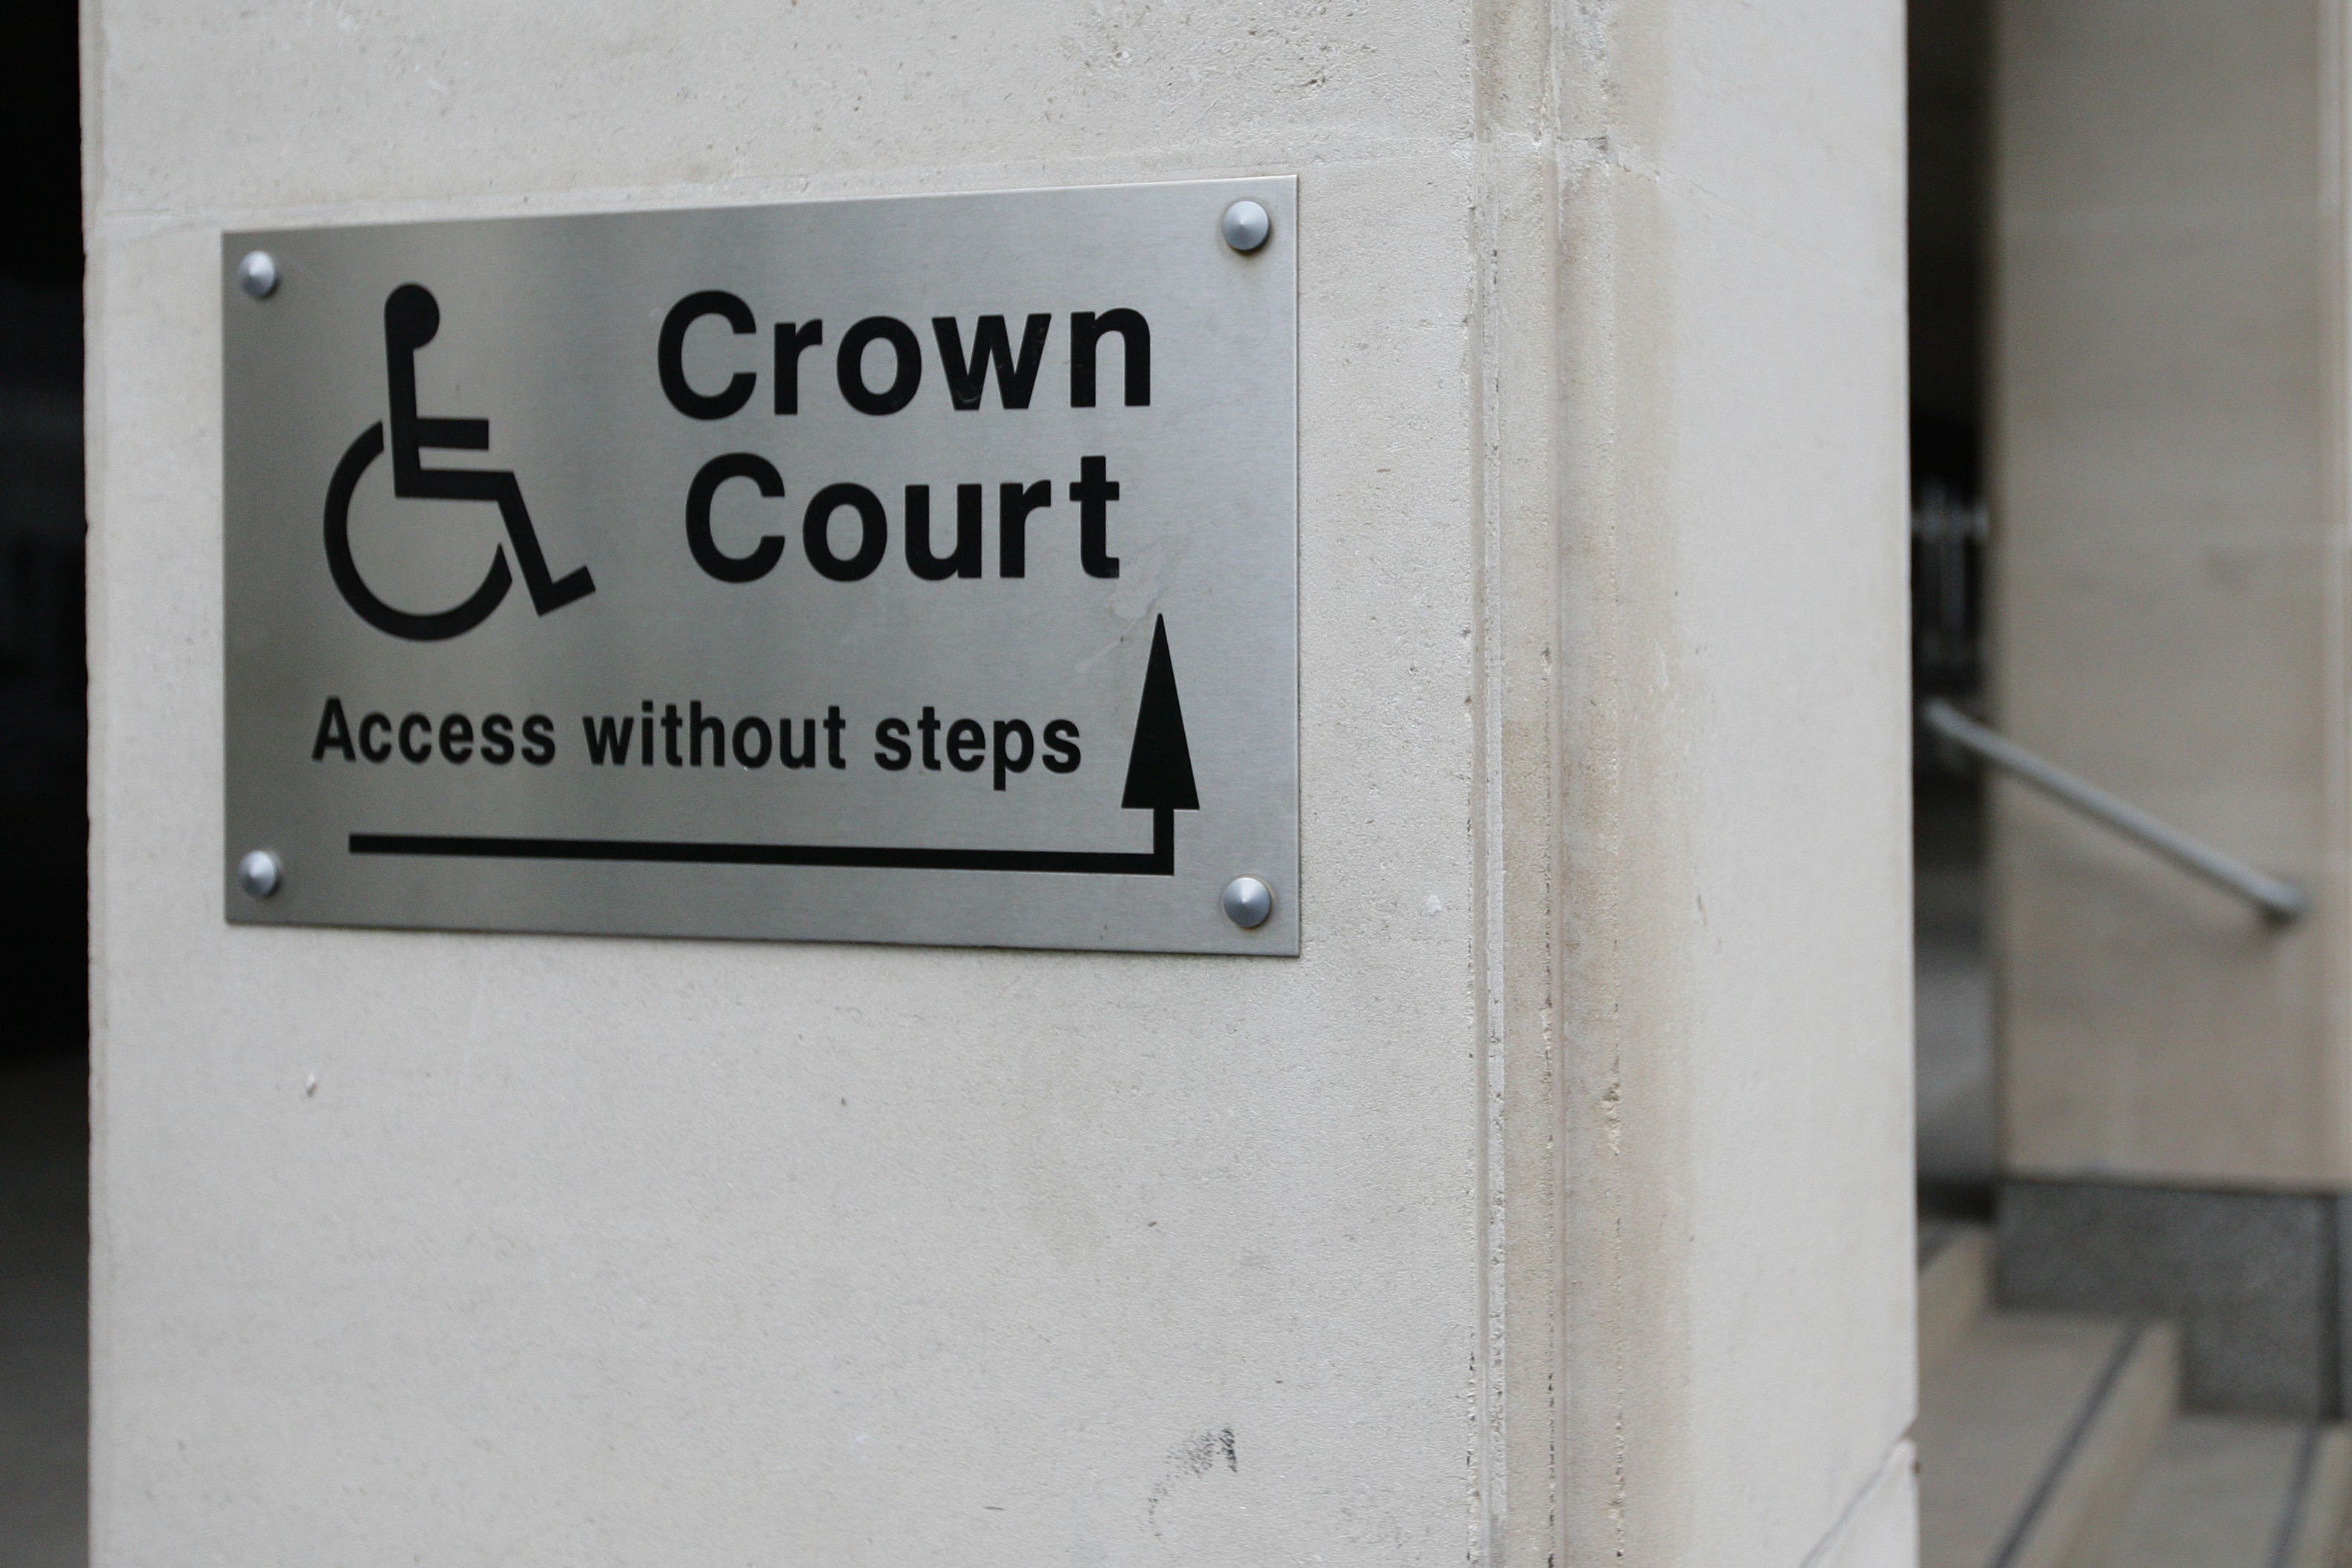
2286, 905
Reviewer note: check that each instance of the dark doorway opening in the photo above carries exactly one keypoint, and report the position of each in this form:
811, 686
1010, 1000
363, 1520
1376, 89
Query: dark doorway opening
43, 925
1949, 67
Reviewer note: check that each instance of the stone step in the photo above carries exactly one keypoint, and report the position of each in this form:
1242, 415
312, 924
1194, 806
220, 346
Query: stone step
1955, 1283
2237, 1491
2033, 1430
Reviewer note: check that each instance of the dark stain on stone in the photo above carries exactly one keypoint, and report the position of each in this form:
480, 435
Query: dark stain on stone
1201, 1455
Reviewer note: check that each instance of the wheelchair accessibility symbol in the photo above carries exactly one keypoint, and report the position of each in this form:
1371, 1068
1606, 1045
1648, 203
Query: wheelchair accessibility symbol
410, 318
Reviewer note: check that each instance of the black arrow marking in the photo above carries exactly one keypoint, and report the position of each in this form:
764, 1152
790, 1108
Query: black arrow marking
1159, 780
1159, 764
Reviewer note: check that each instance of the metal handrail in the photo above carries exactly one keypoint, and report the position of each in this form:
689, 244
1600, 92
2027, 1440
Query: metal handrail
2278, 899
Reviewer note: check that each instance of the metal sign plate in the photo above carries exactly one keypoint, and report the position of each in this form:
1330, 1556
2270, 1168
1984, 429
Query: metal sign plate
914, 569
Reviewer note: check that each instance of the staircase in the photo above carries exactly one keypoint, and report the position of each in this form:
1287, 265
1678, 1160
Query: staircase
2048, 1440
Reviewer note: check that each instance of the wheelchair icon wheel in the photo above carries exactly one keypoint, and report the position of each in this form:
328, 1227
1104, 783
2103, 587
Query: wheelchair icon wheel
383, 617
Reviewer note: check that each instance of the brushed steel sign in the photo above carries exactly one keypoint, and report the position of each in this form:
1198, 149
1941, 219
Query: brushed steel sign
910, 570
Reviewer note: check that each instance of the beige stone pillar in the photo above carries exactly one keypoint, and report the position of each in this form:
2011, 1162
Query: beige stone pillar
1553, 1208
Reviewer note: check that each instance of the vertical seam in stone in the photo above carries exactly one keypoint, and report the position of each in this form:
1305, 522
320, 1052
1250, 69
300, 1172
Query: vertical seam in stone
1490, 928
100, 1487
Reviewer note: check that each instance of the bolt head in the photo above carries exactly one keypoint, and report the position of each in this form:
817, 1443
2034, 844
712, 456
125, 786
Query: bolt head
259, 873
1246, 225
1247, 902
257, 273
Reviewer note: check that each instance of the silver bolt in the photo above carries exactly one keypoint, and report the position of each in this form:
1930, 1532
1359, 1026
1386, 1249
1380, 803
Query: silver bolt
1247, 902
1245, 225
257, 273
259, 873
